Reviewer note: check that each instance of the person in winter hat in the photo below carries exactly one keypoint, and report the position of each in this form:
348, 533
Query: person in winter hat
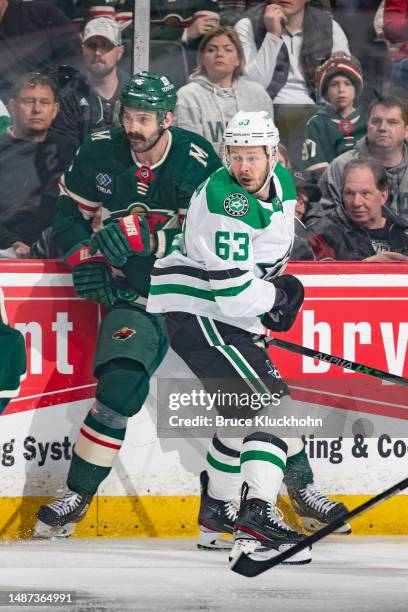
218, 90
336, 127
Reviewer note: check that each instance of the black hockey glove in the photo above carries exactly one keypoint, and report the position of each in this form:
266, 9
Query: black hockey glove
288, 301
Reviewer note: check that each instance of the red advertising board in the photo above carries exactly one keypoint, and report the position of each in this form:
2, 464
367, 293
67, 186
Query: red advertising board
356, 311
60, 332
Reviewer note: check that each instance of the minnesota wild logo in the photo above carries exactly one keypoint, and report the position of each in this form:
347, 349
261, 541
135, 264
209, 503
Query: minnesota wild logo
124, 333
236, 205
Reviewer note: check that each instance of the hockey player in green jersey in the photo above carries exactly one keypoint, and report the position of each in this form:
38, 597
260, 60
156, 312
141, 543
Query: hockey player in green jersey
218, 287
140, 180
336, 127
13, 358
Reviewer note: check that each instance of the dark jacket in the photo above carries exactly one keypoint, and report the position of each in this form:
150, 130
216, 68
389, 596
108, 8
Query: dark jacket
316, 46
331, 181
83, 111
33, 37
350, 242
28, 177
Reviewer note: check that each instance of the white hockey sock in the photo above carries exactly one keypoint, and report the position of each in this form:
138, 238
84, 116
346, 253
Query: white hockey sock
223, 468
263, 461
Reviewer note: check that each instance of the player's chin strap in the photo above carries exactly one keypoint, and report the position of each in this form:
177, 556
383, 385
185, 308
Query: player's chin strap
326, 357
268, 178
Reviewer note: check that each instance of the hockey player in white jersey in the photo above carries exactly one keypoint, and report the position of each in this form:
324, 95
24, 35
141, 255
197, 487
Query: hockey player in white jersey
219, 287
217, 274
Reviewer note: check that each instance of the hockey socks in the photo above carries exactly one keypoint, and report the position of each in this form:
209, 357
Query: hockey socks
94, 453
263, 460
223, 468
298, 472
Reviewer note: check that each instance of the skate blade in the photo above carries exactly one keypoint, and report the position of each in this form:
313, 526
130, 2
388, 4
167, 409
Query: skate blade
258, 552
213, 540
44, 531
313, 525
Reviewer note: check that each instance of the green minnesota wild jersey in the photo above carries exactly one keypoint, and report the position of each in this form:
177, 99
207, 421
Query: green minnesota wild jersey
231, 244
328, 134
106, 178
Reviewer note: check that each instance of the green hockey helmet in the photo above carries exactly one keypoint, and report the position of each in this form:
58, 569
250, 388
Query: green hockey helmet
149, 91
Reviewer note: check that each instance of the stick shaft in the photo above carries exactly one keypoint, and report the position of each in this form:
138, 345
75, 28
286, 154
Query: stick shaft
328, 529
339, 361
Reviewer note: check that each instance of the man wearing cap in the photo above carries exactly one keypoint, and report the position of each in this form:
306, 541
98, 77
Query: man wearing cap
91, 103
139, 178
336, 127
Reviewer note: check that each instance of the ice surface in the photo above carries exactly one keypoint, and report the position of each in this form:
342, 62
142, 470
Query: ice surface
352, 574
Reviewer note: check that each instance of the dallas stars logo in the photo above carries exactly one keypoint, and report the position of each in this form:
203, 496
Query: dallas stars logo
236, 205
124, 333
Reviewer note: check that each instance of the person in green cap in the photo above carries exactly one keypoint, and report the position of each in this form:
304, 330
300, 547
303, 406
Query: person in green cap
139, 178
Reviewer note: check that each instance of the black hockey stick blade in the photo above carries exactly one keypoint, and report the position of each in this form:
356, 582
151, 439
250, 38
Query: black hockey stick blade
338, 361
246, 566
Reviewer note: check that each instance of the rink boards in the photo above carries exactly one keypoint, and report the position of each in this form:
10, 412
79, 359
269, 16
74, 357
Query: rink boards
355, 311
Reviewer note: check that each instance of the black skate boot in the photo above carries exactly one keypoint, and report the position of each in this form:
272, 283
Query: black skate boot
316, 510
216, 519
59, 517
260, 528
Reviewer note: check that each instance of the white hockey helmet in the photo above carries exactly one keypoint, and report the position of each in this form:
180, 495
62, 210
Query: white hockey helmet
252, 129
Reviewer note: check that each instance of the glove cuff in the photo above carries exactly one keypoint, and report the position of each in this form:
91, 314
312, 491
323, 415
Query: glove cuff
81, 255
131, 229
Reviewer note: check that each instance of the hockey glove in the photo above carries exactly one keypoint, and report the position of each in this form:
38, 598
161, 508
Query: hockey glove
123, 238
91, 274
289, 299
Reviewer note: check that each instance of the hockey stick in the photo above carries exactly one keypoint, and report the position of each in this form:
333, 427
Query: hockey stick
338, 361
247, 566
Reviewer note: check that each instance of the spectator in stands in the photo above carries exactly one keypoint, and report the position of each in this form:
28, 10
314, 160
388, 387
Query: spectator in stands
232, 11
34, 36
283, 156
307, 193
359, 20
337, 126
284, 42
363, 227
387, 130
185, 22
31, 161
91, 103
5, 120
218, 90
396, 32
396, 25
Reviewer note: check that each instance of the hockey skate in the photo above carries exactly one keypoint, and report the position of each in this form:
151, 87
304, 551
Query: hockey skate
316, 510
59, 518
261, 533
216, 519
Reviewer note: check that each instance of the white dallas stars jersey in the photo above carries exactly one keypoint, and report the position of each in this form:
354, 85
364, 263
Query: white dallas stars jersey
230, 242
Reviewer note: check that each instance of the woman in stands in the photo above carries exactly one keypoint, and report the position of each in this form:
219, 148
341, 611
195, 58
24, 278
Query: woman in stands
217, 90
